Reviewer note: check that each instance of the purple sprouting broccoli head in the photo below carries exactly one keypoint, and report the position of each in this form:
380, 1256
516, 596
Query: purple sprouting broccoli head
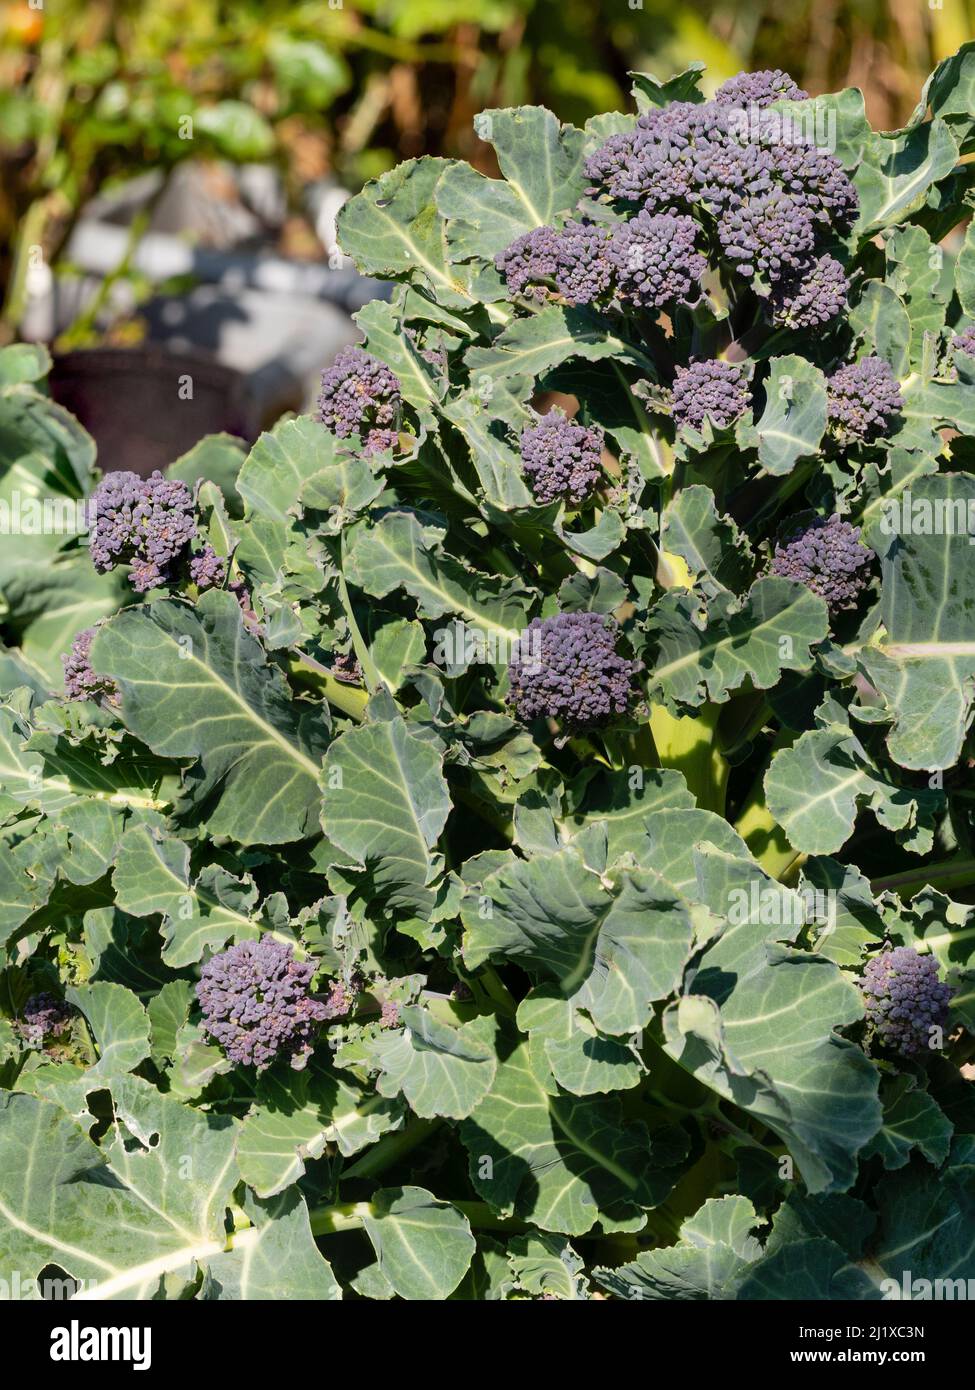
710, 388
863, 399
360, 395
208, 570
759, 89
529, 261
656, 259
42, 1021
905, 1000
965, 341
80, 681
813, 294
561, 459
256, 1004
583, 271
567, 667
826, 555
143, 522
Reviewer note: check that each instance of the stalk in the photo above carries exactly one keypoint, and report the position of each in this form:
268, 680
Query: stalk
688, 744
954, 873
758, 828
347, 698
390, 1148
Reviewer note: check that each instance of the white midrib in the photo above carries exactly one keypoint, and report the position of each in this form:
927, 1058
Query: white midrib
165, 1264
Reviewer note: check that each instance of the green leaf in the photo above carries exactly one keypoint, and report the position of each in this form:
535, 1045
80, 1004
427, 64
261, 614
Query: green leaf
881, 320
196, 684
119, 1025
912, 1119
275, 1259
815, 788
392, 229
794, 419
925, 668
236, 129
542, 166
398, 551
897, 172
814, 1089
561, 1162
531, 346
424, 1246
717, 554
152, 876
614, 946
385, 802
772, 629
714, 1253
439, 1070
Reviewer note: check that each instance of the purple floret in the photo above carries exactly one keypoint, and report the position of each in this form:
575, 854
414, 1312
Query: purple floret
143, 522
771, 234
80, 681
567, 668
561, 459
360, 395
256, 1004
531, 258
715, 389
818, 182
863, 398
904, 1000
582, 269
656, 259
759, 89
208, 570
42, 1020
814, 294
965, 340
826, 555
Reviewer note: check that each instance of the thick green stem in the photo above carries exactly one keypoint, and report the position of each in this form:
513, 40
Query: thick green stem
390, 1149
954, 873
688, 744
350, 1216
347, 698
758, 828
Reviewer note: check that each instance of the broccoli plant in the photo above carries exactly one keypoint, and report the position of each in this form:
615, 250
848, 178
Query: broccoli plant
513, 827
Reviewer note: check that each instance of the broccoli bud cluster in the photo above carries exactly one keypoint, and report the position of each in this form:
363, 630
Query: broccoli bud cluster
863, 398
561, 459
42, 1021
80, 681
143, 522
827, 556
361, 395
759, 89
208, 570
256, 1004
530, 259
769, 195
718, 390
965, 340
811, 296
651, 261
904, 999
567, 667
656, 259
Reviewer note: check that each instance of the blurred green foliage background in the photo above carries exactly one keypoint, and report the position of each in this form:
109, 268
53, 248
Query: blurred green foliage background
93, 91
